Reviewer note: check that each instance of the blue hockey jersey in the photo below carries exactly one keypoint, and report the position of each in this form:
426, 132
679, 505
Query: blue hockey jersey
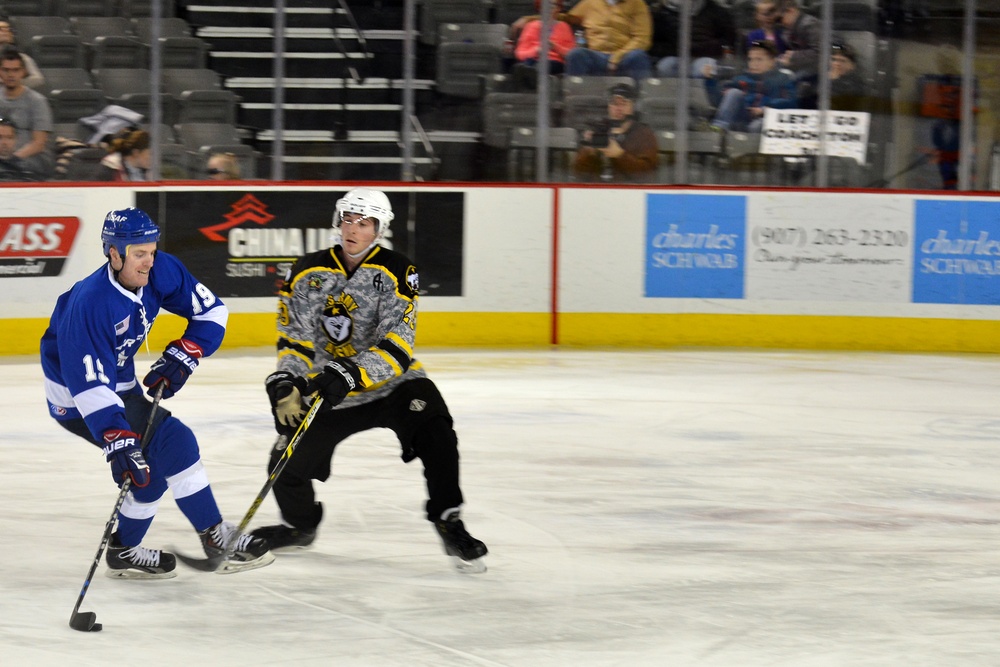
98, 326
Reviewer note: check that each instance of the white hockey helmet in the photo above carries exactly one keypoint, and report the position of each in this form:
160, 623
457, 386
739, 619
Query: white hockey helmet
369, 203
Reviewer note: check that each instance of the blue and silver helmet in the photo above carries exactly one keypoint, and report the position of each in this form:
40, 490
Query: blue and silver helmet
125, 227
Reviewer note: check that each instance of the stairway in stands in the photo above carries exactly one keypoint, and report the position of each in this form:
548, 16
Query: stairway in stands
343, 94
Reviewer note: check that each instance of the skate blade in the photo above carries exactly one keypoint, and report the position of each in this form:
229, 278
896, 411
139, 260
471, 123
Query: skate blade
477, 566
291, 549
233, 566
129, 573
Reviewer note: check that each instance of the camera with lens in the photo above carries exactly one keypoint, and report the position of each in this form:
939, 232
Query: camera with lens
600, 133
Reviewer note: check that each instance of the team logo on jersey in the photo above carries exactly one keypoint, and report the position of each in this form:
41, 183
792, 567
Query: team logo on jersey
337, 321
61, 412
416, 405
412, 279
315, 283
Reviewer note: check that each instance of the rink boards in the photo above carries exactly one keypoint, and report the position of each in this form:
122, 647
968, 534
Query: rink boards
572, 265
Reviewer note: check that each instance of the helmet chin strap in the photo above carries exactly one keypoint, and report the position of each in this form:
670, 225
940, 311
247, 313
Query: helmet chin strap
362, 253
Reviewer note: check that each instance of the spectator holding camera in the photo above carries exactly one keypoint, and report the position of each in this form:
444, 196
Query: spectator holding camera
621, 148
741, 101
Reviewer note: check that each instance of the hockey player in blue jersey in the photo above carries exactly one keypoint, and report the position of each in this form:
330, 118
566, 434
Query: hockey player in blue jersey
91, 388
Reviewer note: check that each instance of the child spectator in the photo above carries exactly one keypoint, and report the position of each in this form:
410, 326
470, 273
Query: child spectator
742, 100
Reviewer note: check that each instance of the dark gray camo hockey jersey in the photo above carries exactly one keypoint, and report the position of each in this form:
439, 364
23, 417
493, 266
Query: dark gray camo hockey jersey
369, 316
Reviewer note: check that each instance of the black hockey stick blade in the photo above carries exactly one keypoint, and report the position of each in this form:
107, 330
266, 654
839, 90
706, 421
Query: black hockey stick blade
85, 621
201, 564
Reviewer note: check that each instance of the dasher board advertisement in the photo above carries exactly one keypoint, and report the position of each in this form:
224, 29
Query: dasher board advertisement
242, 242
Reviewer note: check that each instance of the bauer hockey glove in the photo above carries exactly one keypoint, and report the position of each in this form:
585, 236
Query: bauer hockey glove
178, 362
286, 391
123, 453
339, 378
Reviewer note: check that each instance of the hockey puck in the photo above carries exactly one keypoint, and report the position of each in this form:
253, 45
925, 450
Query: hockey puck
97, 627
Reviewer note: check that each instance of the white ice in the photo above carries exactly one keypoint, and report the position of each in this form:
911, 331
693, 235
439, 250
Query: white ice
647, 508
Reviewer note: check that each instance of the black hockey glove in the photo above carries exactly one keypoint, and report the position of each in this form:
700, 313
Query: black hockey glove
178, 362
339, 378
285, 390
123, 453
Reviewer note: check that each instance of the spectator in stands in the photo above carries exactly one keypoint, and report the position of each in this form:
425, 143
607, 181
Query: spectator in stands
848, 91
768, 26
618, 33
713, 34
29, 111
10, 166
222, 167
801, 33
561, 42
128, 158
621, 148
742, 100
34, 78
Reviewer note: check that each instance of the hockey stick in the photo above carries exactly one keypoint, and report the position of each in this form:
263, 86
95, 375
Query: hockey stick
86, 621
212, 563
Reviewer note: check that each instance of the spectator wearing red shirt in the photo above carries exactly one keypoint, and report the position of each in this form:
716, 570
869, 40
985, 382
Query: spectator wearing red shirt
561, 41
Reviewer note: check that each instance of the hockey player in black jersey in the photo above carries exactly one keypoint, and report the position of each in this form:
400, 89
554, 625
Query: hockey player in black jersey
346, 327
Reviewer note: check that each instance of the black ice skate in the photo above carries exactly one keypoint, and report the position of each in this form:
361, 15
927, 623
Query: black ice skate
282, 538
466, 551
249, 552
138, 562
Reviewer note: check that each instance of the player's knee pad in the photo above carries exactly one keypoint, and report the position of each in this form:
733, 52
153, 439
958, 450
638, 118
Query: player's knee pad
172, 449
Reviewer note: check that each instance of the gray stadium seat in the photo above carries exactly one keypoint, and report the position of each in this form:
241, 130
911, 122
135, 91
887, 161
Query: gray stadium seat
89, 28
69, 8
183, 52
56, 51
26, 27
169, 27
465, 53
195, 135
435, 12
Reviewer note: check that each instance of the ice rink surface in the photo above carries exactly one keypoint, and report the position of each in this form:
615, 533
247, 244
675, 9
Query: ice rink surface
704, 508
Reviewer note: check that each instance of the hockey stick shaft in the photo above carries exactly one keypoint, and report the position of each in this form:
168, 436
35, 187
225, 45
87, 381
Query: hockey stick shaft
109, 527
278, 468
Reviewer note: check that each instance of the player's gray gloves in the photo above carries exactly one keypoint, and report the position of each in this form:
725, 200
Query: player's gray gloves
339, 378
285, 391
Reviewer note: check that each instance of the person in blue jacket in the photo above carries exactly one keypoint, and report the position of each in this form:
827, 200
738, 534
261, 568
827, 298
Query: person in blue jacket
742, 100
92, 391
